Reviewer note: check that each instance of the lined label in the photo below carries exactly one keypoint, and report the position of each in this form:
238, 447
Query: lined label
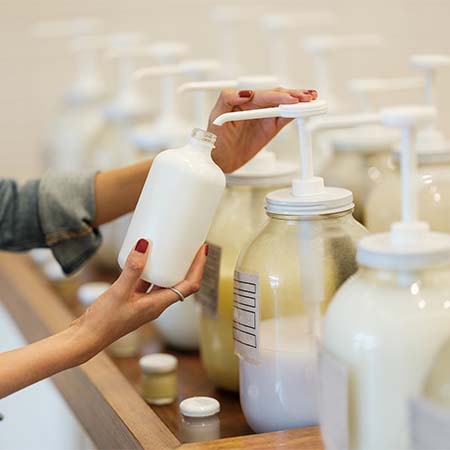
208, 295
246, 313
429, 425
333, 404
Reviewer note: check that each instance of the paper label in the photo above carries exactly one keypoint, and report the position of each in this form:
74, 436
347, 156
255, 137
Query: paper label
333, 402
208, 295
246, 313
429, 425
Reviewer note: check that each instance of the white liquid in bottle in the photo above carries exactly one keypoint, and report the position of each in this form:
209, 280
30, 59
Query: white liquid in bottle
175, 209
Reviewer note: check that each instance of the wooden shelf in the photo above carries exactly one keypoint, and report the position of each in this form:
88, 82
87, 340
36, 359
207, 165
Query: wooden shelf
104, 393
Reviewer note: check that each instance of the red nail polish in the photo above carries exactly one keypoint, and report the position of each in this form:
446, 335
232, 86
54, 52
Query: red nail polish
206, 249
245, 94
141, 245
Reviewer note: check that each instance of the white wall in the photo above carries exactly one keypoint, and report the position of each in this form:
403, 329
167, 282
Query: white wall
34, 73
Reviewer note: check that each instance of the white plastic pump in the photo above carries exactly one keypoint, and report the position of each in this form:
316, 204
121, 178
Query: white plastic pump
278, 27
321, 47
410, 244
170, 128
430, 140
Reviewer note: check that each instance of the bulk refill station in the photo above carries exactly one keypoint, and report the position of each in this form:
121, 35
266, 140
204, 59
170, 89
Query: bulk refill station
283, 282
385, 325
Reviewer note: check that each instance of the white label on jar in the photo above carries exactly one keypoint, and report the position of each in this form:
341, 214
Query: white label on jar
246, 313
429, 425
333, 403
208, 295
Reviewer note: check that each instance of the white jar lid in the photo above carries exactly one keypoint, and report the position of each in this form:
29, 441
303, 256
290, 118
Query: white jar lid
263, 170
41, 255
199, 407
368, 139
381, 252
331, 200
89, 292
158, 363
53, 270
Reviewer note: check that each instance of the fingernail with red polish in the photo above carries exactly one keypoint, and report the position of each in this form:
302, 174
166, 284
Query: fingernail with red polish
206, 249
245, 94
141, 245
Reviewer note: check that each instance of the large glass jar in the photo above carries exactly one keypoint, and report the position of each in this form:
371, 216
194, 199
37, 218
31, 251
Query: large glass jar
382, 332
360, 160
283, 282
433, 190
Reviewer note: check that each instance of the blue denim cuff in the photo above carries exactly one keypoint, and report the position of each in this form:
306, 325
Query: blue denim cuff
67, 212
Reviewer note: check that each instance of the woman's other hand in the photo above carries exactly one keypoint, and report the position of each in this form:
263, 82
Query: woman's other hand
126, 305
238, 142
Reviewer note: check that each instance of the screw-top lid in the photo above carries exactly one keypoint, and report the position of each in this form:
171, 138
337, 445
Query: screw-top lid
409, 245
158, 363
308, 195
41, 255
199, 407
53, 270
89, 292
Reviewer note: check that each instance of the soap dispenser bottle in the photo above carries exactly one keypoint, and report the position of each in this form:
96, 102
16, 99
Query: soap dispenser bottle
80, 118
433, 154
283, 281
175, 209
386, 324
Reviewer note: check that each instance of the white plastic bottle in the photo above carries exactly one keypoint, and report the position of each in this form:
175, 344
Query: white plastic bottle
385, 325
175, 209
283, 281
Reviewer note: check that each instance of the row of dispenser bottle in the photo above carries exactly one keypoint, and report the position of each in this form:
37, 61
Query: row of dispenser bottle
266, 292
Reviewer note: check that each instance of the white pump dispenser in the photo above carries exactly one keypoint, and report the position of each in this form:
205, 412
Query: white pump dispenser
321, 46
291, 270
399, 318
278, 27
175, 209
431, 142
169, 128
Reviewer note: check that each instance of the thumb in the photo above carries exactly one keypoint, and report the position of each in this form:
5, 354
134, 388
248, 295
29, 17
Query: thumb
134, 265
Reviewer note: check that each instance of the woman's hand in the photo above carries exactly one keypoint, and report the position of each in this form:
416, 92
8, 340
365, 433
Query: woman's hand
126, 305
238, 142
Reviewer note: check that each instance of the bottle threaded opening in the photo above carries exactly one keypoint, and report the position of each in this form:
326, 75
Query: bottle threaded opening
204, 136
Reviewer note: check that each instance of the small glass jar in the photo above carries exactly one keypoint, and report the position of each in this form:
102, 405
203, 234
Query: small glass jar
126, 346
200, 419
240, 215
159, 378
383, 204
361, 159
65, 285
284, 280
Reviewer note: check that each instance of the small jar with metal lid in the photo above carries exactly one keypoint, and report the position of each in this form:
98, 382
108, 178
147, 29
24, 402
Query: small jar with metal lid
65, 285
125, 347
159, 378
200, 419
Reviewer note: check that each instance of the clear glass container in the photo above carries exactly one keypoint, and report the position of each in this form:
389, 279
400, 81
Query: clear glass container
358, 171
239, 217
383, 204
293, 267
383, 330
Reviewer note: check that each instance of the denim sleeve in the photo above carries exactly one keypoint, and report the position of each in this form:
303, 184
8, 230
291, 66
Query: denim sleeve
56, 212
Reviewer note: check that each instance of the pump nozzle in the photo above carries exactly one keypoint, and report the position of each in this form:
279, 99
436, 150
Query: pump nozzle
364, 88
321, 46
308, 184
409, 119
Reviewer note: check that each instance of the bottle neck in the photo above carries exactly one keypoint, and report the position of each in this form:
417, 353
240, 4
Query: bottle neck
202, 140
331, 216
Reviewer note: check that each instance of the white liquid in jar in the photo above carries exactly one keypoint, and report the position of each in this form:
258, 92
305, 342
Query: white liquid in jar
281, 391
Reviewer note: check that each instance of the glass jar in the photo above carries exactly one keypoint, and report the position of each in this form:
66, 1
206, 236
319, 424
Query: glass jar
159, 378
359, 162
284, 281
240, 215
200, 419
383, 204
381, 333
